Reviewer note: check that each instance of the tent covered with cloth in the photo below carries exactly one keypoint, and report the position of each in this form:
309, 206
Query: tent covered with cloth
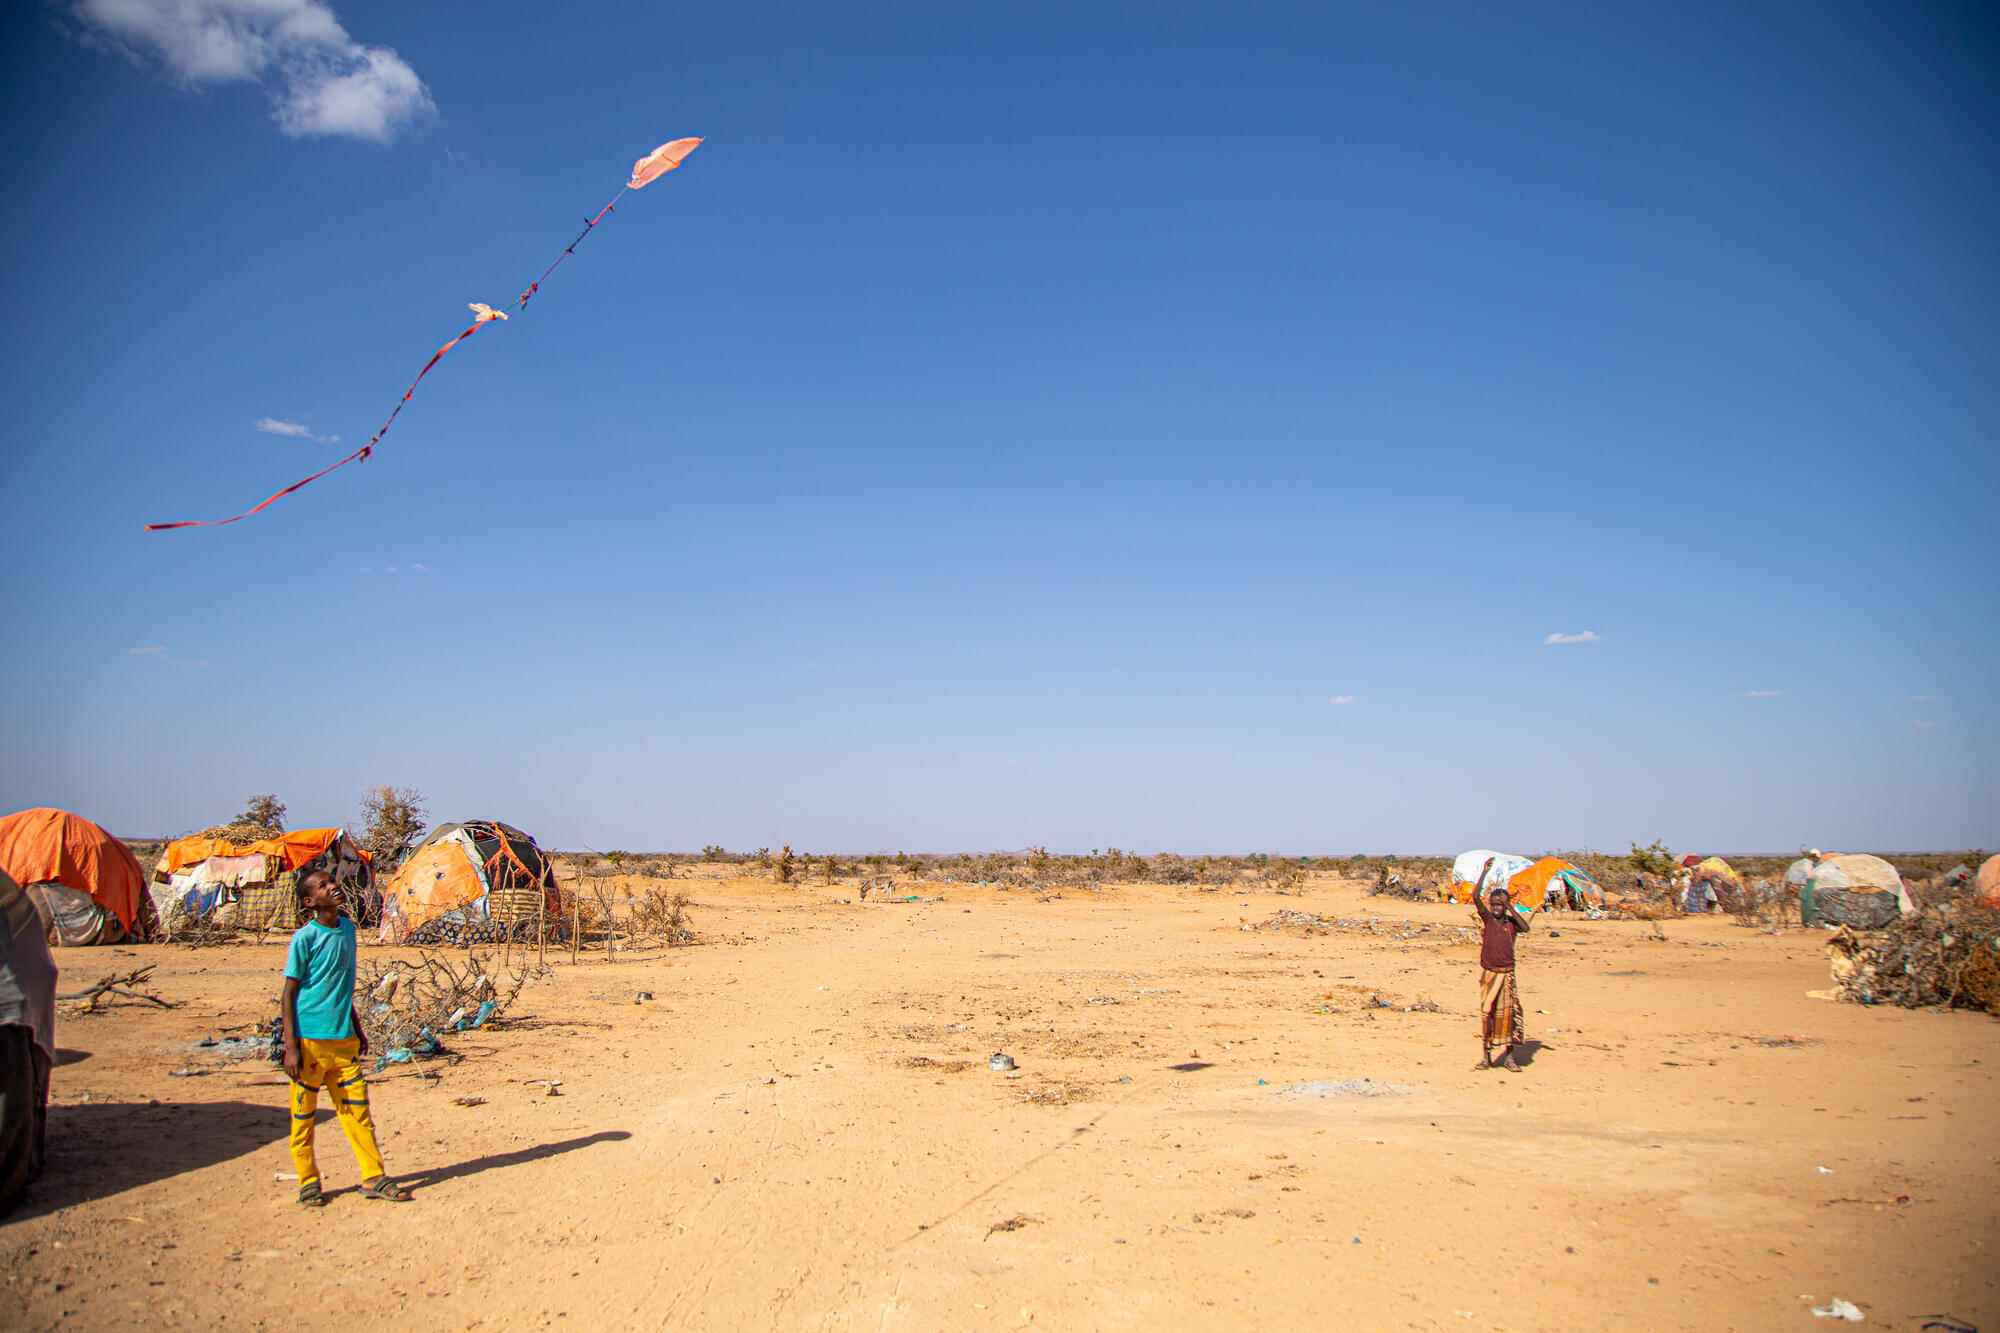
85, 884
1554, 883
253, 884
1986, 885
1466, 866
1711, 882
477, 880
1861, 891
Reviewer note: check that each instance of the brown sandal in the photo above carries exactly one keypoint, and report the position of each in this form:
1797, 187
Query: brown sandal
311, 1197
384, 1188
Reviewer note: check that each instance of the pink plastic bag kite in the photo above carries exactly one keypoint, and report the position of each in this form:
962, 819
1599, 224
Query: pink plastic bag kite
645, 171
659, 162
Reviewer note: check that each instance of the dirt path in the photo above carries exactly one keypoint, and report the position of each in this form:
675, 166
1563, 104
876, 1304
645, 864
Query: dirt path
801, 1132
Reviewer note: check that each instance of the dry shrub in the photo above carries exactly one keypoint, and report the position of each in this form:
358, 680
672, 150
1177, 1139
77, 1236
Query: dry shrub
657, 914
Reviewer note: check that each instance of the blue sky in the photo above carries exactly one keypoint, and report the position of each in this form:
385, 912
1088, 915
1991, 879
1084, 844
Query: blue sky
1066, 424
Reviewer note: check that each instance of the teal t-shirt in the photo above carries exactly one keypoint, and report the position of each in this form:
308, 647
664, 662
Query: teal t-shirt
322, 962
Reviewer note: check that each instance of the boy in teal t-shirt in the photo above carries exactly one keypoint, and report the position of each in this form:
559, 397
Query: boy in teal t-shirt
324, 1042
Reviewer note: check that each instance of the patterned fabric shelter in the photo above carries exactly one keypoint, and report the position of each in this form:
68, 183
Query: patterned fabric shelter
1987, 886
253, 885
477, 877
85, 884
1554, 882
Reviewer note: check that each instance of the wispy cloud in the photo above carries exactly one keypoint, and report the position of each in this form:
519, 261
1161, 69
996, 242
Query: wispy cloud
293, 430
319, 79
1762, 694
1340, 699
1558, 639
420, 568
146, 650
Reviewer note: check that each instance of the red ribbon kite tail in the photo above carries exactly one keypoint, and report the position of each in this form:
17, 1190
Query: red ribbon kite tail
667, 157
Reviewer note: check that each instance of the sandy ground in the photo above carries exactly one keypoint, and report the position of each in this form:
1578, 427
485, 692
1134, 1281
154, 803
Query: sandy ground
801, 1131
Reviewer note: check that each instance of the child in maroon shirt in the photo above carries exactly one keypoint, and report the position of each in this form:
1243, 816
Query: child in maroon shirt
1499, 996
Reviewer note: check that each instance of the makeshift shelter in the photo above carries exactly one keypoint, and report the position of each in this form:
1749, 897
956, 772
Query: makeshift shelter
1860, 891
1466, 867
253, 885
478, 879
1709, 880
1986, 886
1554, 883
85, 884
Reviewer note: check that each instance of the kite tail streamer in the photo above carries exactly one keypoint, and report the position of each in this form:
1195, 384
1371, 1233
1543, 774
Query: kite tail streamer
667, 157
354, 457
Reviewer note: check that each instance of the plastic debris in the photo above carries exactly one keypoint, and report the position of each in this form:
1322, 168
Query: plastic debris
1840, 1309
1001, 1062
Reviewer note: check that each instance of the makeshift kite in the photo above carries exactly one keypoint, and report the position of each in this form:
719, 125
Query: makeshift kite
645, 171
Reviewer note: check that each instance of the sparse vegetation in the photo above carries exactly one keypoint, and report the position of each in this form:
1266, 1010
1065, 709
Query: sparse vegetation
393, 820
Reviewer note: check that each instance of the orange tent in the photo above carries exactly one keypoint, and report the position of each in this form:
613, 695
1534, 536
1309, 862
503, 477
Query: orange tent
1988, 883
1531, 888
46, 846
294, 849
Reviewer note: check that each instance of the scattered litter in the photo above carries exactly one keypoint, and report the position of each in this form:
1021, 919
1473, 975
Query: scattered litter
642, 997
1824, 1170
1840, 1309
1001, 1062
1292, 919
1346, 1087
1014, 1223
468, 1101
277, 1176
1102, 999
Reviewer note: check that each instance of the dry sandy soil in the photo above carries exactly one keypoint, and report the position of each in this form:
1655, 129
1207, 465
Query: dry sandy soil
801, 1131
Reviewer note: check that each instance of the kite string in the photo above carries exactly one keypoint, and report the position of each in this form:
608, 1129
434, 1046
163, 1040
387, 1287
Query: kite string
589, 225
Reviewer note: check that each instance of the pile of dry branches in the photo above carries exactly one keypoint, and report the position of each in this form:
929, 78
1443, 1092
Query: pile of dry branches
1946, 957
400, 1001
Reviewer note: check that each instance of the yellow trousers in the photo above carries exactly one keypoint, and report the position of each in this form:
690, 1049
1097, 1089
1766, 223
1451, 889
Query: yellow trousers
335, 1066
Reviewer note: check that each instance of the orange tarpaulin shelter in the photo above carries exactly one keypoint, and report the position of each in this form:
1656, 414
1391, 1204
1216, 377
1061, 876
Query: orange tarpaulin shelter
45, 846
1553, 876
467, 881
294, 849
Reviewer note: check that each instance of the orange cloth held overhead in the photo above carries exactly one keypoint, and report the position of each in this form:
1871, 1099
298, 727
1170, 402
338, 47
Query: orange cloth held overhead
45, 846
659, 162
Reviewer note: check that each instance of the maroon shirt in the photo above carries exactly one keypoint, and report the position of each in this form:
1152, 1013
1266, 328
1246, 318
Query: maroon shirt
1496, 938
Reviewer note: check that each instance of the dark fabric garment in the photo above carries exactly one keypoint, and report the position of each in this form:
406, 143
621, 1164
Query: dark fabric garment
1496, 940
24, 1112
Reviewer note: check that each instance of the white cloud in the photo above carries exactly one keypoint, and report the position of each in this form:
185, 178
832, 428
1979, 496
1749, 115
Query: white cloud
1587, 636
293, 430
1339, 699
420, 568
1762, 694
320, 80
146, 650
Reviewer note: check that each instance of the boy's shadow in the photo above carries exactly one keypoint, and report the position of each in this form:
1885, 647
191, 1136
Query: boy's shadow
1526, 1051
416, 1181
